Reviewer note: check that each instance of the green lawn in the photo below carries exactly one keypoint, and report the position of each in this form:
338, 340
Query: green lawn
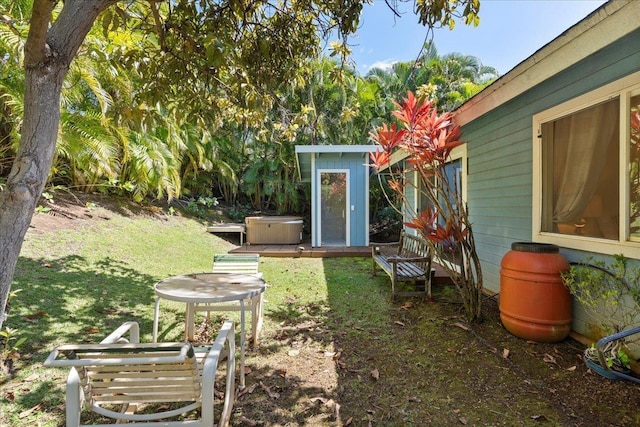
335, 350
77, 285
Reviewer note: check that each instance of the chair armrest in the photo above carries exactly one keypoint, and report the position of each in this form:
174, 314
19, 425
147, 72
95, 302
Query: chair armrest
103, 354
216, 352
603, 341
117, 336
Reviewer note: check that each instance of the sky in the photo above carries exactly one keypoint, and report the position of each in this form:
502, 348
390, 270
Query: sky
509, 32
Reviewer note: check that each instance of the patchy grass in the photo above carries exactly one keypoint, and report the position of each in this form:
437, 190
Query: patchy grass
335, 350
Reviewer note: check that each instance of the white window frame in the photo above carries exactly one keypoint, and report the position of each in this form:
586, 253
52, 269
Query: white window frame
623, 89
458, 153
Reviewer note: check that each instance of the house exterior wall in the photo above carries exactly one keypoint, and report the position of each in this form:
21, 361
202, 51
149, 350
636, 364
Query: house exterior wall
358, 210
500, 154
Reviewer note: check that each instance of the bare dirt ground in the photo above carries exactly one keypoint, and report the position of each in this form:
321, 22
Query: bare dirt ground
427, 367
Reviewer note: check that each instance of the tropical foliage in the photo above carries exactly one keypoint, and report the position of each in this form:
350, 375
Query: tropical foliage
203, 62
110, 140
119, 135
428, 138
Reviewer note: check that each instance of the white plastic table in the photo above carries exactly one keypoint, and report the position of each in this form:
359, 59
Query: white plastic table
211, 288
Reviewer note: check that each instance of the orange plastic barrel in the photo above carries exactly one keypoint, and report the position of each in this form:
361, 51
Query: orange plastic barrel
534, 302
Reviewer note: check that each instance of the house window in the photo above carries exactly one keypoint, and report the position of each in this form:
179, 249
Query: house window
634, 169
580, 172
453, 171
456, 172
587, 164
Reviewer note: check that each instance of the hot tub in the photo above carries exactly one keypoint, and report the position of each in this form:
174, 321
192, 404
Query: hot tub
273, 230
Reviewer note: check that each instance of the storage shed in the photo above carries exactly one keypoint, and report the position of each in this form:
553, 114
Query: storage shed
339, 177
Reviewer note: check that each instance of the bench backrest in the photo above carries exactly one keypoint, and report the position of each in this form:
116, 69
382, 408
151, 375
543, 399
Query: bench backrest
236, 263
414, 246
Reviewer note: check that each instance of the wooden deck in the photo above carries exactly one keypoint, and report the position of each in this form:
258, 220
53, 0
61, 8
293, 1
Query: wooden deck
305, 250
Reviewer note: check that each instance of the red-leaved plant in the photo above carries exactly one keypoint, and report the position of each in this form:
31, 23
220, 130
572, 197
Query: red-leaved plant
427, 139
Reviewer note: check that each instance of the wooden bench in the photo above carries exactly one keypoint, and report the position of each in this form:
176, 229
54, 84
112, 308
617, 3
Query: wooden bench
411, 263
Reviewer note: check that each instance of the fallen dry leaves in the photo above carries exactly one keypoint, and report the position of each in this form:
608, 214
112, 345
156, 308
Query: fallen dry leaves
547, 358
272, 394
246, 421
375, 374
28, 412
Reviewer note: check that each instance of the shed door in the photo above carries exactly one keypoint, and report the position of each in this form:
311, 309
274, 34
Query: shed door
333, 208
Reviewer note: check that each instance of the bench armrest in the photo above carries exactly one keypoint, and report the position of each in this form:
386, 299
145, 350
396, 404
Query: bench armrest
384, 244
375, 247
393, 259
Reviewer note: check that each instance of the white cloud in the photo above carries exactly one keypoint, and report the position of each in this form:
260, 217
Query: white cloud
383, 65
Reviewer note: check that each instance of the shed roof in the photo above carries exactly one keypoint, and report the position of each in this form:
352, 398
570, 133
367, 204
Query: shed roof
305, 154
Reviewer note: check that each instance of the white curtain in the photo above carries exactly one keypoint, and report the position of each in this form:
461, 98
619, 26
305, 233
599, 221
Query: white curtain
590, 134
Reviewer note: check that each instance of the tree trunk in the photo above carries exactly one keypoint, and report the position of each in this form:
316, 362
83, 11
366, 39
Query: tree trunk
49, 51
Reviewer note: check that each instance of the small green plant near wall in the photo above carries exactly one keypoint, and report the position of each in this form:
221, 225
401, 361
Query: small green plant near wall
610, 294
45, 209
615, 356
48, 197
10, 342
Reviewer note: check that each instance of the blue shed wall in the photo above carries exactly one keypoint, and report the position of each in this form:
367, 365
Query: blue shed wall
500, 156
359, 195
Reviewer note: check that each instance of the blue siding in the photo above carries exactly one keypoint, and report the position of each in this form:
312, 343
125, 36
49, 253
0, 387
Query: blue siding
500, 175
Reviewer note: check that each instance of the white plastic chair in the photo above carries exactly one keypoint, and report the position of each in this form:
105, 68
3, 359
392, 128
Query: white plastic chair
174, 377
238, 264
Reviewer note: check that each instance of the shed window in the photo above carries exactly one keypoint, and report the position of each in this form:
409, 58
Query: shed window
587, 151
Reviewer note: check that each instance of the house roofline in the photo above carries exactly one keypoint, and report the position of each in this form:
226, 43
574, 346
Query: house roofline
602, 27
